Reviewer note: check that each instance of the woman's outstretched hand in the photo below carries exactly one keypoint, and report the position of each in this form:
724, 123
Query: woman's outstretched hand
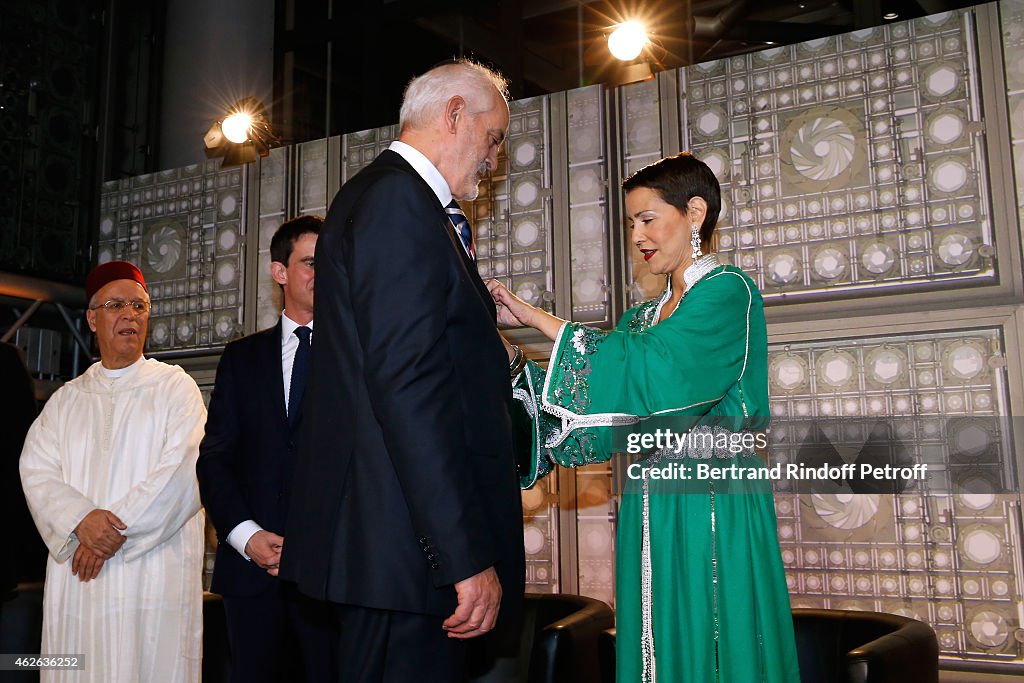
511, 309
514, 311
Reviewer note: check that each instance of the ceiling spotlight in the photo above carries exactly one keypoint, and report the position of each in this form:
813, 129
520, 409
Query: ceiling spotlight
241, 135
627, 41
889, 16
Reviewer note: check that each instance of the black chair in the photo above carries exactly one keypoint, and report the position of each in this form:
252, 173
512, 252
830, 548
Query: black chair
21, 630
21, 627
841, 646
557, 643
847, 646
606, 653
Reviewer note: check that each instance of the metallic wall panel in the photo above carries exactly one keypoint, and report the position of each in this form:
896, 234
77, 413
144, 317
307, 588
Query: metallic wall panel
851, 162
512, 215
185, 229
275, 184
641, 121
589, 266
945, 558
1012, 16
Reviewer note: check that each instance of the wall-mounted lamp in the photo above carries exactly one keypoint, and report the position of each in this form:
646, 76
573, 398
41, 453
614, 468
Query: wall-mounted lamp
627, 41
241, 135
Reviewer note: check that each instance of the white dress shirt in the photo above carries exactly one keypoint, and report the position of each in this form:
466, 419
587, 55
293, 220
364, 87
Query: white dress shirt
425, 169
240, 535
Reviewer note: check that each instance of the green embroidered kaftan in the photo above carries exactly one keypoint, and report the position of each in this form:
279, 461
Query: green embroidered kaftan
700, 590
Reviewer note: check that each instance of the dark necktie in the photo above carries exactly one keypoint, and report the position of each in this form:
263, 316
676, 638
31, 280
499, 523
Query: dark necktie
300, 369
462, 228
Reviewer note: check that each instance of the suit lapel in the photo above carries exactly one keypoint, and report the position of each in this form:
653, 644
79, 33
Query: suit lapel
272, 367
471, 269
391, 158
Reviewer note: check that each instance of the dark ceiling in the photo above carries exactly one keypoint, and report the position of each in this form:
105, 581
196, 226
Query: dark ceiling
558, 44
543, 46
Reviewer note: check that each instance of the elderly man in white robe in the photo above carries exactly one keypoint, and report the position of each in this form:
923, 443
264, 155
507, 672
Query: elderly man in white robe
109, 472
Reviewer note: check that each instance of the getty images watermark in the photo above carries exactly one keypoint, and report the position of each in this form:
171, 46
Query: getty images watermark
778, 472
709, 453
919, 454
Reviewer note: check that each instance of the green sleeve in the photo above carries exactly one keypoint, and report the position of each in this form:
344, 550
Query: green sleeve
598, 379
540, 441
530, 426
682, 366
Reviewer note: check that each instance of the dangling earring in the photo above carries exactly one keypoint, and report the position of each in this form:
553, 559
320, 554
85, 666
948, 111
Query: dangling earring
695, 242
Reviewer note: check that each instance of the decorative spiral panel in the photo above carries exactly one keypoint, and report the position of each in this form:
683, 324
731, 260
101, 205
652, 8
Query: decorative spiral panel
184, 228
588, 205
950, 559
1012, 13
641, 145
512, 214
849, 161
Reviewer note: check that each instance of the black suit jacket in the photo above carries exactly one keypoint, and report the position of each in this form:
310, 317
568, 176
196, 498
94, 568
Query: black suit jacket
245, 458
405, 479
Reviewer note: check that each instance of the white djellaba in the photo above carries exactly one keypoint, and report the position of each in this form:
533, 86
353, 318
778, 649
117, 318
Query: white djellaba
125, 441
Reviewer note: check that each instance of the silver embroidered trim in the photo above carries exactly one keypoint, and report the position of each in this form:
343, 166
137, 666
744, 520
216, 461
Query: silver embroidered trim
572, 421
714, 576
691, 276
649, 673
529, 400
750, 304
578, 342
699, 268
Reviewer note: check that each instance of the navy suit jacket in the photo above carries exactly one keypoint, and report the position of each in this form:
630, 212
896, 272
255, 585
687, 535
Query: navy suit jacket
245, 458
405, 480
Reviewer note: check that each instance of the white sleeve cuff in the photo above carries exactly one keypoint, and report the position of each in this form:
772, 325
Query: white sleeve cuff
68, 549
240, 535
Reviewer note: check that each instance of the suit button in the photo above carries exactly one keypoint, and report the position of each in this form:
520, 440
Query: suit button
435, 565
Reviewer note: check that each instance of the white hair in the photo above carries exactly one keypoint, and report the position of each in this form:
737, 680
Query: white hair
426, 95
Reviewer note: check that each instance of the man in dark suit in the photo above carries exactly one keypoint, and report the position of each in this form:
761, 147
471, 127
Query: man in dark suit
244, 468
405, 509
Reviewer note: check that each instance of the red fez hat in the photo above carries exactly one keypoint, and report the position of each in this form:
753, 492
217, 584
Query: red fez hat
104, 274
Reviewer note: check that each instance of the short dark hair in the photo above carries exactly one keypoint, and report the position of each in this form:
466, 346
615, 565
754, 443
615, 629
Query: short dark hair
678, 179
283, 241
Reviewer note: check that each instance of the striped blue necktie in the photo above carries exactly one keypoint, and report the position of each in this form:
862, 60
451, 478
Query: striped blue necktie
462, 228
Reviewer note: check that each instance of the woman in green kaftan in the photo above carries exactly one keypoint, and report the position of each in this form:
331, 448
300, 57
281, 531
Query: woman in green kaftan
700, 592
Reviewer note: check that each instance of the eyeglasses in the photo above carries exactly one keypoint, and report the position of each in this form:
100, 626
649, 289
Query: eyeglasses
118, 305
